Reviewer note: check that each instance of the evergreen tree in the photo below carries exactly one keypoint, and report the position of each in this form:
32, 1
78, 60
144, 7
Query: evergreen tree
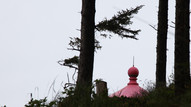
85, 66
87, 44
162, 43
182, 40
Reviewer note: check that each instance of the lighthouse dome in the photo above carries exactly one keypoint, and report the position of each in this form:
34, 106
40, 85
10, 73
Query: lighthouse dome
133, 72
132, 89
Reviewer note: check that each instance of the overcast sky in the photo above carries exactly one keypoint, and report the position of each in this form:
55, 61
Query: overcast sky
34, 35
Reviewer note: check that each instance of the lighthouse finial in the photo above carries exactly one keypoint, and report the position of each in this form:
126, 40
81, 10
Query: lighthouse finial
133, 61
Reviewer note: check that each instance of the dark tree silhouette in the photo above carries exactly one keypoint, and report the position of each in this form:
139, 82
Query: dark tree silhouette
85, 66
162, 44
182, 40
87, 44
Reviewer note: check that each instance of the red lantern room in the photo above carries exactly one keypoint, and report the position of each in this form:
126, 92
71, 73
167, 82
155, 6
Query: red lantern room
132, 89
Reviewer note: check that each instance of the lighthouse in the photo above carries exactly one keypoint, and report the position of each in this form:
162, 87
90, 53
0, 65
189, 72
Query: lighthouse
132, 89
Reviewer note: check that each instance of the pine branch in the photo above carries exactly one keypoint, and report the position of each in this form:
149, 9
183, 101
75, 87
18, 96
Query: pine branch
70, 62
73, 49
74, 60
117, 24
70, 66
129, 36
75, 44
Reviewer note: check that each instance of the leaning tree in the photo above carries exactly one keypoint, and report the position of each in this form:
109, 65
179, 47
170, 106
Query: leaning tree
87, 44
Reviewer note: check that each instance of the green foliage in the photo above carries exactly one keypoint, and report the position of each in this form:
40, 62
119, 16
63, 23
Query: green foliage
73, 61
69, 100
41, 103
70, 62
75, 43
98, 80
117, 24
69, 91
162, 97
97, 45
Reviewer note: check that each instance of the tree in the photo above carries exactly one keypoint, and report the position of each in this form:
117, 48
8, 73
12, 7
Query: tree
85, 72
182, 39
162, 43
87, 44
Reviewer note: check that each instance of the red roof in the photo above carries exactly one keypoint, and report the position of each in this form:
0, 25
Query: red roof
132, 89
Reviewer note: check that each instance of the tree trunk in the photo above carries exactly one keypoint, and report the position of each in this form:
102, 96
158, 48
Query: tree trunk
85, 73
162, 44
182, 58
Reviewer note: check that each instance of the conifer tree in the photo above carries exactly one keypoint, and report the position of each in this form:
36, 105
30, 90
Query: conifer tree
182, 42
162, 44
87, 44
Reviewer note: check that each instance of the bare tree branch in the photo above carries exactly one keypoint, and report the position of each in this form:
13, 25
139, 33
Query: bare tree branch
61, 62
128, 36
153, 27
73, 49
